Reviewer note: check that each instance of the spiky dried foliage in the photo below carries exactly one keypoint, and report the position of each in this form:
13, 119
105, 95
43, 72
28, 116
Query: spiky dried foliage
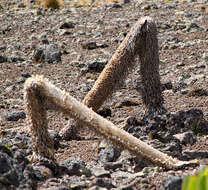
115, 72
141, 41
54, 4
149, 70
40, 93
37, 118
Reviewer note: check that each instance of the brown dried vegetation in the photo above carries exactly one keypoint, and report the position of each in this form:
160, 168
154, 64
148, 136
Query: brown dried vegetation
39, 93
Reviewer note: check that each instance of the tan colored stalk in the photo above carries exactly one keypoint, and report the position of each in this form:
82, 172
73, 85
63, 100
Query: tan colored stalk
115, 72
141, 42
40, 93
37, 118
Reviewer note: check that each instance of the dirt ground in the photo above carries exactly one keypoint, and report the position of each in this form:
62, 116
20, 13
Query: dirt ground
21, 29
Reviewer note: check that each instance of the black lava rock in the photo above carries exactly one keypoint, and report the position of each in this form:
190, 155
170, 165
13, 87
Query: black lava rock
16, 171
15, 115
172, 183
72, 166
48, 53
67, 25
105, 112
3, 59
96, 65
108, 154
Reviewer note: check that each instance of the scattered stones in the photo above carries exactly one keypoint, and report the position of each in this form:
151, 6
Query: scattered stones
167, 85
52, 54
146, 7
89, 45
14, 58
61, 188
100, 172
205, 57
108, 154
103, 45
44, 40
81, 185
64, 32
128, 102
16, 171
72, 166
115, 5
26, 75
47, 54
17, 141
106, 183
125, 187
186, 138
132, 121
179, 86
97, 188
197, 91
192, 154
96, 65
193, 118
172, 183
202, 65
43, 172
121, 174
173, 149
180, 64
183, 42
112, 165
5, 28
2, 48
23, 78
3, 59
192, 79
11, 88
194, 26
125, 1
163, 128
15, 115
104, 112
67, 25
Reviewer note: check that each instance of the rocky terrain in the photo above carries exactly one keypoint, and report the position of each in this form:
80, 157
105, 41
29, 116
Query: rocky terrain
70, 46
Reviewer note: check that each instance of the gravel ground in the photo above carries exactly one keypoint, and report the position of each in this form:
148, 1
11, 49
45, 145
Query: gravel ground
77, 42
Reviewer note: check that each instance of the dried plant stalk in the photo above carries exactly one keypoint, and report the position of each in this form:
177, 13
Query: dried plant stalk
141, 41
151, 90
39, 92
37, 118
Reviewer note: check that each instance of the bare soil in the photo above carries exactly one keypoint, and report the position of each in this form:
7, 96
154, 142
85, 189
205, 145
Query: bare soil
21, 29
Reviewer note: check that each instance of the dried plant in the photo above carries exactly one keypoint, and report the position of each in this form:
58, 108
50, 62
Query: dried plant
54, 4
41, 94
141, 42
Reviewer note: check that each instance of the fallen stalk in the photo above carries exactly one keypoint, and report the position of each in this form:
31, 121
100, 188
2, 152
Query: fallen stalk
40, 93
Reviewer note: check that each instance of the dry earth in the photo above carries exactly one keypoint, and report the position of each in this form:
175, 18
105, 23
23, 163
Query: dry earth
183, 40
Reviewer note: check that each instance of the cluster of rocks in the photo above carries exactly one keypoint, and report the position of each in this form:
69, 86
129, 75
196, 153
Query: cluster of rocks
170, 131
167, 133
16, 171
